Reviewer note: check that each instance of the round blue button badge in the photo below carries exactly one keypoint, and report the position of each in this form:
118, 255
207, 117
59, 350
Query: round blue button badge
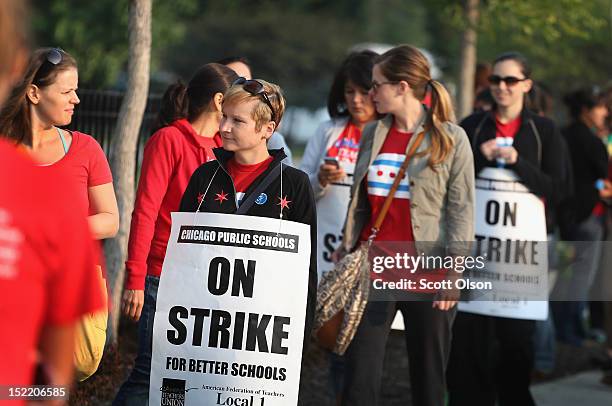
261, 199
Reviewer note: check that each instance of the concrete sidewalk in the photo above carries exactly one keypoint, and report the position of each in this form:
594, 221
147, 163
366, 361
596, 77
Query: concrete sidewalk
583, 389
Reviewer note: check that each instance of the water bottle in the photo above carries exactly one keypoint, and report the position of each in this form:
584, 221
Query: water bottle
503, 142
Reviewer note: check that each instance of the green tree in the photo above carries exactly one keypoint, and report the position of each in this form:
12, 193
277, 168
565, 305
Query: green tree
297, 43
568, 41
95, 33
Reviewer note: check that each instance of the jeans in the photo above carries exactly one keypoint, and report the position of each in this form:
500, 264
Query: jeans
544, 339
135, 391
574, 291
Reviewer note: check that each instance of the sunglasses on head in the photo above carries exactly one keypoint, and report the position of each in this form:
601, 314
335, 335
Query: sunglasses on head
256, 88
508, 80
53, 57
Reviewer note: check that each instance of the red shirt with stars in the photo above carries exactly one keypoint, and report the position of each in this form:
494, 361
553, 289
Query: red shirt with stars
244, 175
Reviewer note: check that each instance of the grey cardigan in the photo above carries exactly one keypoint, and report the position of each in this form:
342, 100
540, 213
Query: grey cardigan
441, 200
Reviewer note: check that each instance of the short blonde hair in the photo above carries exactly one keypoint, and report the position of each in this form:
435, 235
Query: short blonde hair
261, 112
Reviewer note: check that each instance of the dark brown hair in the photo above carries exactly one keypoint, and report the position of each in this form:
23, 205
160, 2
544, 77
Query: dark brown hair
584, 98
180, 101
15, 122
407, 63
357, 67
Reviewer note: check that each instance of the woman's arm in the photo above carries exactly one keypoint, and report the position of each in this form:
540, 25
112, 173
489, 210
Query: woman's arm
157, 167
104, 223
460, 199
56, 349
313, 157
549, 180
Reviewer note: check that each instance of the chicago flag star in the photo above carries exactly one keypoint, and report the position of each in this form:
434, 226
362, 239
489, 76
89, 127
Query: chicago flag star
221, 197
283, 202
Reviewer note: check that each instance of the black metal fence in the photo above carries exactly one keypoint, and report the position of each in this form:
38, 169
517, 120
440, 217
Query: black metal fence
97, 116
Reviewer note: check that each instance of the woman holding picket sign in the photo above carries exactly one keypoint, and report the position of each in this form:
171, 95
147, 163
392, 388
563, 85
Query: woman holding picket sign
492, 357
252, 179
433, 203
331, 153
189, 129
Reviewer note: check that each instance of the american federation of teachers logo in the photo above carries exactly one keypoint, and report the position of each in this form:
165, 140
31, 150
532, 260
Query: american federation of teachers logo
173, 392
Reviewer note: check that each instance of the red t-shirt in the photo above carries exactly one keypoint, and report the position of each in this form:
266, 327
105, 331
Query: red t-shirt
85, 164
507, 130
244, 175
47, 261
171, 156
397, 225
346, 147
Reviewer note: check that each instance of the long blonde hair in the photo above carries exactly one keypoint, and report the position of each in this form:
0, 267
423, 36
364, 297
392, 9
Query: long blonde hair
407, 63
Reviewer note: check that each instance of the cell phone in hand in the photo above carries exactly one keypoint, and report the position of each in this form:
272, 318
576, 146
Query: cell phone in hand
332, 160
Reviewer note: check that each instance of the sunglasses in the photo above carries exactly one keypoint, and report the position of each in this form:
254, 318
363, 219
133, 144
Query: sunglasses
53, 57
256, 88
509, 80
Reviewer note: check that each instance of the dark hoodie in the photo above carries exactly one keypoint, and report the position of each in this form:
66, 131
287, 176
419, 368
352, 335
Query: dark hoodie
543, 163
296, 187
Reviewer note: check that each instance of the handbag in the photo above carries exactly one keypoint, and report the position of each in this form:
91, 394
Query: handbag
343, 292
90, 337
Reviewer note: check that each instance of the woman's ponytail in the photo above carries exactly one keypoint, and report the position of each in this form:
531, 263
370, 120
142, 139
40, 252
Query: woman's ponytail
191, 100
441, 111
174, 105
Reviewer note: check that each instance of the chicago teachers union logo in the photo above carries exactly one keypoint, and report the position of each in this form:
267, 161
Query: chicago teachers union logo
173, 392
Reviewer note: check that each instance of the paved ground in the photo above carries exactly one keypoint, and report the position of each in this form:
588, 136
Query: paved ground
583, 389
575, 381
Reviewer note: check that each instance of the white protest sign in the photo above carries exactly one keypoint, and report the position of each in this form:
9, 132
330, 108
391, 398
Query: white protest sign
331, 213
511, 234
231, 306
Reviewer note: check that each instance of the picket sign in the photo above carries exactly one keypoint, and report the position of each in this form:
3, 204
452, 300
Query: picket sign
230, 315
511, 232
331, 212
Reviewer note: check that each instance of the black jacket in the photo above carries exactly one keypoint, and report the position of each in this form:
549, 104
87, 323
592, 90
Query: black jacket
296, 187
590, 162
543, 163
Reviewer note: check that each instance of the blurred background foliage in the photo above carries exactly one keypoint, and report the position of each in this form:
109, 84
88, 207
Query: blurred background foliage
299, 43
